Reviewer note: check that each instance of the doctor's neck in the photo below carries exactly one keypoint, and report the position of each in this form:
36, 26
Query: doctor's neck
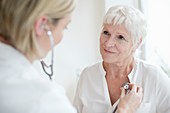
7, 42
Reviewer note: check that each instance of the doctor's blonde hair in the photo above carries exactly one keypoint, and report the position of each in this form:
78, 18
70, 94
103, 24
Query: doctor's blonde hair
17, 19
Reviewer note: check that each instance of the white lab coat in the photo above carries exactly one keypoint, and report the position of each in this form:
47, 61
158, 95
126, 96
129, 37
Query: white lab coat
92, 94
24, 90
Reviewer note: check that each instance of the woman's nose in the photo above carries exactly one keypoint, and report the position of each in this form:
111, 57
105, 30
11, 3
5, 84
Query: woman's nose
110, 42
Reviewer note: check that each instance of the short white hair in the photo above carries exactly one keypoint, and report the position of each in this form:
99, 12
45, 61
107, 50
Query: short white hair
133, 20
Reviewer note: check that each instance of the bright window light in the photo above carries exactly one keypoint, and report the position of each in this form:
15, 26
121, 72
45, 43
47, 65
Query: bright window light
159, 33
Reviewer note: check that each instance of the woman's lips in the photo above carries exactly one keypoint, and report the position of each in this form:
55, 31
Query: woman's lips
108, 51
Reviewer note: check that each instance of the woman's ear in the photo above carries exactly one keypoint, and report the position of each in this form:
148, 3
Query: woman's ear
139, 43
40, 25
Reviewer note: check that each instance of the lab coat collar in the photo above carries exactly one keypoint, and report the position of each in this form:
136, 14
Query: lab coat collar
12, 55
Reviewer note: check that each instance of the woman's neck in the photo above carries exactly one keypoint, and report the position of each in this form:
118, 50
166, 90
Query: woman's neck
119, 69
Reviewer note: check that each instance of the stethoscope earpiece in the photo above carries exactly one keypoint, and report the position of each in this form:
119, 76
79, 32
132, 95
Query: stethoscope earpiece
49, 33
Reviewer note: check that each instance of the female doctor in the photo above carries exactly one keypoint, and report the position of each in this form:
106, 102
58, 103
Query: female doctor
29, 29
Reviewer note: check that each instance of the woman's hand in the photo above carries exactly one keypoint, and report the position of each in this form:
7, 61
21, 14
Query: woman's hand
130, 101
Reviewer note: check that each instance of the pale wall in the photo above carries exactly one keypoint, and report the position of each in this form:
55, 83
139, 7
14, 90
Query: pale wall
80, 45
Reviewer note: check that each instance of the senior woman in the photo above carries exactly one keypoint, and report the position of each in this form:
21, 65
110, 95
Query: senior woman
98, 90
29, 29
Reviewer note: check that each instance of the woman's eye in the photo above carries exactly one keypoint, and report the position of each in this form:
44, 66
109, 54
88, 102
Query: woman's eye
121, 37
106, 33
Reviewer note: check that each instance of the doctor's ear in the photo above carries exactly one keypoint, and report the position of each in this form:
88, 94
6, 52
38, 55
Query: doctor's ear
41, 25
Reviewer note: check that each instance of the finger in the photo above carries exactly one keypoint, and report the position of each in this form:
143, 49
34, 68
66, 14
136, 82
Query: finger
140, 92
130, 85
139, 89
122, 92
134, 88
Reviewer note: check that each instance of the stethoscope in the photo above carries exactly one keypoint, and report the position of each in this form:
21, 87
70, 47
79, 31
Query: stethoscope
127, 88
43, 64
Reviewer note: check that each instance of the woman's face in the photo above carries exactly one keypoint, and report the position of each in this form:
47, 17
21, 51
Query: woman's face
59, 28
116, 44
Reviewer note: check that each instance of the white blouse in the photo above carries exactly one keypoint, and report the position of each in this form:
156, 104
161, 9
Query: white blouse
24, 90
92, 94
